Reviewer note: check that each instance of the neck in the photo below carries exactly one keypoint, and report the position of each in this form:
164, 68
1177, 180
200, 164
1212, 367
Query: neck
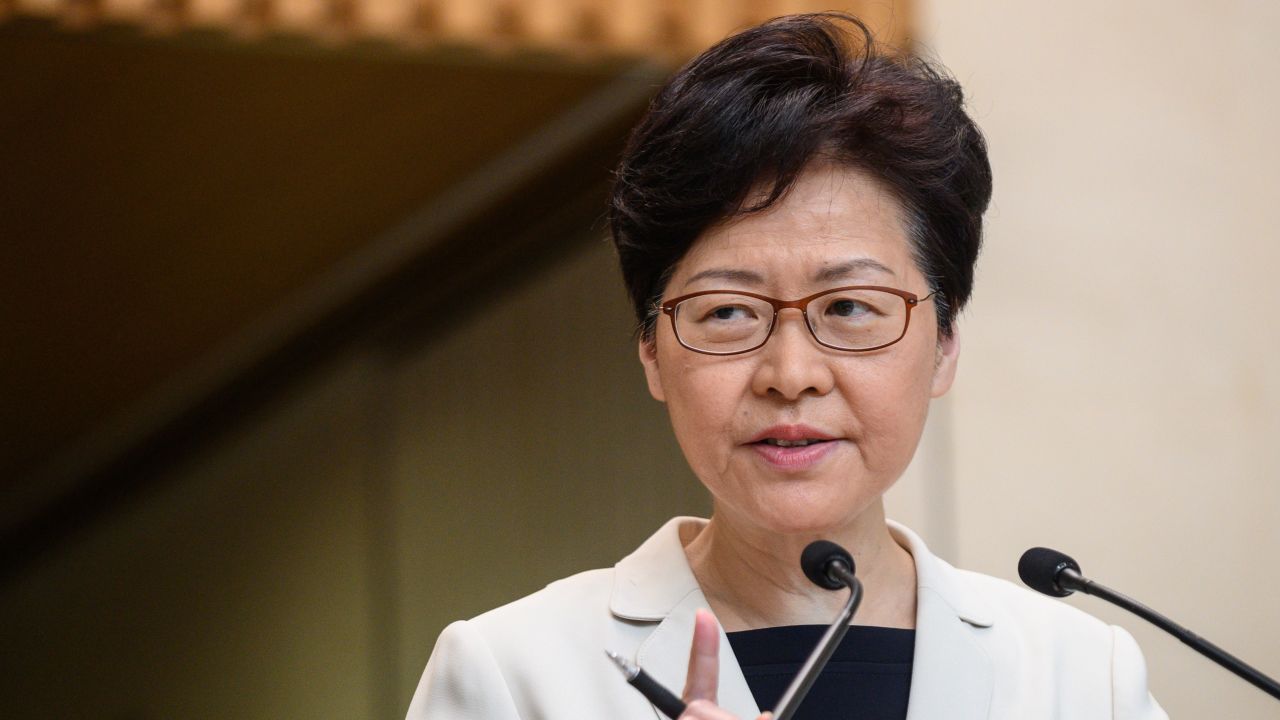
752, 579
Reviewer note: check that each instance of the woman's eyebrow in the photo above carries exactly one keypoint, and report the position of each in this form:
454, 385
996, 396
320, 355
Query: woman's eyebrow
745, 277
844, 269
826, 274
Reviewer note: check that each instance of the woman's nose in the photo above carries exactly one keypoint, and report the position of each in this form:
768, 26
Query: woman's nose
792, 363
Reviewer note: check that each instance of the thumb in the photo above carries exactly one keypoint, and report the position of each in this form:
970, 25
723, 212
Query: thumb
704, 659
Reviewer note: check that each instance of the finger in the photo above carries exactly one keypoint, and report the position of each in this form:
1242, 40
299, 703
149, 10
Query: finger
704, 659
706, 710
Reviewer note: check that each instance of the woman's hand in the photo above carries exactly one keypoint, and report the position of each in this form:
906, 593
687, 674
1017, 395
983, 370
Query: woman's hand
704, 672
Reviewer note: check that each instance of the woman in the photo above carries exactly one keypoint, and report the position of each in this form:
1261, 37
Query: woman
797, 220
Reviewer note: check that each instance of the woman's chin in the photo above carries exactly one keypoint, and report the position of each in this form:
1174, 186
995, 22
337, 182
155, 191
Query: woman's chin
811, 517
826, 501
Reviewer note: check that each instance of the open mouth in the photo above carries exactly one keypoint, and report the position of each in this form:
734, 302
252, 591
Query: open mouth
794, 447
794, 455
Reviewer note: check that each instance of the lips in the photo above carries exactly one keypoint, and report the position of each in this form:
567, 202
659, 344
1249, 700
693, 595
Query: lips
793, 447
792, 443
791, 434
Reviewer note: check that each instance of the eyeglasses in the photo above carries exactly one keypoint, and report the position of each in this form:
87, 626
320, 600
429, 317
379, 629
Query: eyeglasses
857, 318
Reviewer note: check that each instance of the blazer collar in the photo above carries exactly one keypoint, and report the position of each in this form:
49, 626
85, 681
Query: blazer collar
942, 580
654, 579
952, 675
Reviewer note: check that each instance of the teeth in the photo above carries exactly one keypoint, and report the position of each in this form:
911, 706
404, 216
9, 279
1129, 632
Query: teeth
789, 443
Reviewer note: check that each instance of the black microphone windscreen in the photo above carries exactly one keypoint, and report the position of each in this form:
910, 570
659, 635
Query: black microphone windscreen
815, 558
1039, 568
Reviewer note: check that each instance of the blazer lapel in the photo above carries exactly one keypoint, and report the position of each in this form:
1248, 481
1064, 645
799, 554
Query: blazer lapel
952, 675
655, 585
665, 655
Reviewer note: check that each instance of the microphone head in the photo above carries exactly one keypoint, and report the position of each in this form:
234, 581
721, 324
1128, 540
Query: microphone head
1040, 567
817, 556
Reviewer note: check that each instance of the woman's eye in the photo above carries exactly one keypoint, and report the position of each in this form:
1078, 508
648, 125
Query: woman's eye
849, 308
730, 312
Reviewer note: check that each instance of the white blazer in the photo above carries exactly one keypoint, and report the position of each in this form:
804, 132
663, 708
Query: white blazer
985, 649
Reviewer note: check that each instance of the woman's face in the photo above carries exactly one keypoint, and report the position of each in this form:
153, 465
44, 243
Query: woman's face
865, 410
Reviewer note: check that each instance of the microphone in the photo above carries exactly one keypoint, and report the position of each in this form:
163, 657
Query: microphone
1041, 568
829, 566
1054, 573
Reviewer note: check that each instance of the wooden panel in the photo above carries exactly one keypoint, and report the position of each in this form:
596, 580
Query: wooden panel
242, 588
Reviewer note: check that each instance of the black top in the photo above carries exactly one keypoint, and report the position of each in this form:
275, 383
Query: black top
868, 677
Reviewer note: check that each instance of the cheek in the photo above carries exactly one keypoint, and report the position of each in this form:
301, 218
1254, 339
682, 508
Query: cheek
890, 403
703, 402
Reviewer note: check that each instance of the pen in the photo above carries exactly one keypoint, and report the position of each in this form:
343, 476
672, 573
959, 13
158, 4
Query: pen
661, 697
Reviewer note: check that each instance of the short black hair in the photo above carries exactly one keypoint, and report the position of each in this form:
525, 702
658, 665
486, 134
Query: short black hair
731, 131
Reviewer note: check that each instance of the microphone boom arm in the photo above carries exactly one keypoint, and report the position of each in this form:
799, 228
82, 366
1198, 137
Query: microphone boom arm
794, 695
1070, 579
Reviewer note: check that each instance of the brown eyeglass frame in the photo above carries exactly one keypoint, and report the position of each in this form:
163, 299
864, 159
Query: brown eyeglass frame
911, 300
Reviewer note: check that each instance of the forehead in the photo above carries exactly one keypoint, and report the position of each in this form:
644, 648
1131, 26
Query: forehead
831, 217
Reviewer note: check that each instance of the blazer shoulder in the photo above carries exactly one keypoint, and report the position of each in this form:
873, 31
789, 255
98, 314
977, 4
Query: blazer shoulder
568, 602
1045, 643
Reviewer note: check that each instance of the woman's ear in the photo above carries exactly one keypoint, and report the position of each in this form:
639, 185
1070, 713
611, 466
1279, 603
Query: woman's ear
649, 359
944, 368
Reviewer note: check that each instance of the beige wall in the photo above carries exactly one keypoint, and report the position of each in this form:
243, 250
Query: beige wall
1118, 395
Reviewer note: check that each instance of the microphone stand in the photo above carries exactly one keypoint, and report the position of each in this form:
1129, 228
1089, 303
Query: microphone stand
794, 695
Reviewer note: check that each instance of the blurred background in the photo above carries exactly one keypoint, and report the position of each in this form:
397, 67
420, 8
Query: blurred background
311, 340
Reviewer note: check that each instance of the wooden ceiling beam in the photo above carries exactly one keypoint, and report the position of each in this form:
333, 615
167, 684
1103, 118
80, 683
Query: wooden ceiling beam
664, 30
